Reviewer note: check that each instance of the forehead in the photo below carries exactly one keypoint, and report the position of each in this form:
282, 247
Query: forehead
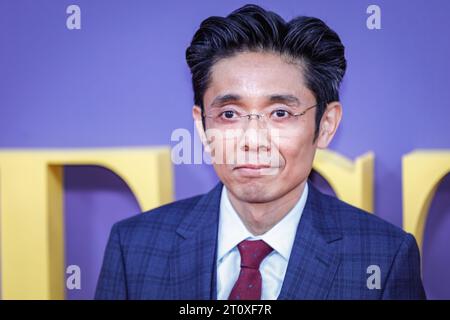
255, 75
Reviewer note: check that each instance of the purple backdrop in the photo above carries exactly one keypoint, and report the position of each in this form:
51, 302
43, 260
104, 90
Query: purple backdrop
122, 81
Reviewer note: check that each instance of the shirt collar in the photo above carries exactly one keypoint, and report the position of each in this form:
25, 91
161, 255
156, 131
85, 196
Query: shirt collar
280, 237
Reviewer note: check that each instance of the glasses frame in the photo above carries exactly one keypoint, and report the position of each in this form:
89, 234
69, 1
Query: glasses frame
258, 116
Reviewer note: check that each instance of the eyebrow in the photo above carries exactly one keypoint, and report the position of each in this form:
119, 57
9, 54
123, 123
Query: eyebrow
285, 99
279, 98
223, 99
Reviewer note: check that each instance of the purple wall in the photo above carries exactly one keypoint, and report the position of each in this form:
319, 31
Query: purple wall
122, 81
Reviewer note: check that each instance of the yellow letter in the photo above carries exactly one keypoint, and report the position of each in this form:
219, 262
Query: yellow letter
422, 173
351, 181
31, 209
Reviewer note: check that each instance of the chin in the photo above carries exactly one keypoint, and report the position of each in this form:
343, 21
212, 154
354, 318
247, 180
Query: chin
253, 191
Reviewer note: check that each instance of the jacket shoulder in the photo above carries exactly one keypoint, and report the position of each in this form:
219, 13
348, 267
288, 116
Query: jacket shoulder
161, 221
367, 242
354, 221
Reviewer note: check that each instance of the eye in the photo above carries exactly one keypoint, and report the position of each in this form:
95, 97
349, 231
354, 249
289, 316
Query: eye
228, 114
280, 114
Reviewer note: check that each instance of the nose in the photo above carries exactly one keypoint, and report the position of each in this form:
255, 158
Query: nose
255, 137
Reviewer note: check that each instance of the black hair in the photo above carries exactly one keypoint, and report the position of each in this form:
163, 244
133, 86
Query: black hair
307, 40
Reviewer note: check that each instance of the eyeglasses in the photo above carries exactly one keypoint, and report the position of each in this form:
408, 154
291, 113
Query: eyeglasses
232, 118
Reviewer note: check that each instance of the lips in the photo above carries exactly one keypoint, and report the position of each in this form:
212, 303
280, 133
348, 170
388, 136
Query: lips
255, 170
252, 166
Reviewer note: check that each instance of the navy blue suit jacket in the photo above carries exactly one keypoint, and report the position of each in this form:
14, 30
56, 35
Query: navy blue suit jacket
170, 253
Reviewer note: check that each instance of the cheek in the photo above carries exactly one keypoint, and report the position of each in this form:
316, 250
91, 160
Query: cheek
297, 154
224, 151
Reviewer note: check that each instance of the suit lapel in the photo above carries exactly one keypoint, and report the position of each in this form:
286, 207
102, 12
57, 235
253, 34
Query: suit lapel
314, 259
193, 259
315, 254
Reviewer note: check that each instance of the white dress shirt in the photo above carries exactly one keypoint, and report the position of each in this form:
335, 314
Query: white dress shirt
273, 268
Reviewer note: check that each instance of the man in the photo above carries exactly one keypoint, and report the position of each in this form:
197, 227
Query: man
266, 97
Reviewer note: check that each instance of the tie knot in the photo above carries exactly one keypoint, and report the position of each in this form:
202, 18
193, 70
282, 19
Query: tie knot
253, 252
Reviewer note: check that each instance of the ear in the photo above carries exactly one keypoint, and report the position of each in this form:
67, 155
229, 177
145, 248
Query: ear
198, 121
329, 124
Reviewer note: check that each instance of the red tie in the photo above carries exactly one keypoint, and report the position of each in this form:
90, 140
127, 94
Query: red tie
248, 285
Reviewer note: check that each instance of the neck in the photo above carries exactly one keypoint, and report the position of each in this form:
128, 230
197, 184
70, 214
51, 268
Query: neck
259, 218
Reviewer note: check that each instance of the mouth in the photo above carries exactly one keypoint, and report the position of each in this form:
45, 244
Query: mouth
252, 166
255, 170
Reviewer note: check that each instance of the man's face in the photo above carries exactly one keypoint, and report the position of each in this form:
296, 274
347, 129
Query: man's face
260, 165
